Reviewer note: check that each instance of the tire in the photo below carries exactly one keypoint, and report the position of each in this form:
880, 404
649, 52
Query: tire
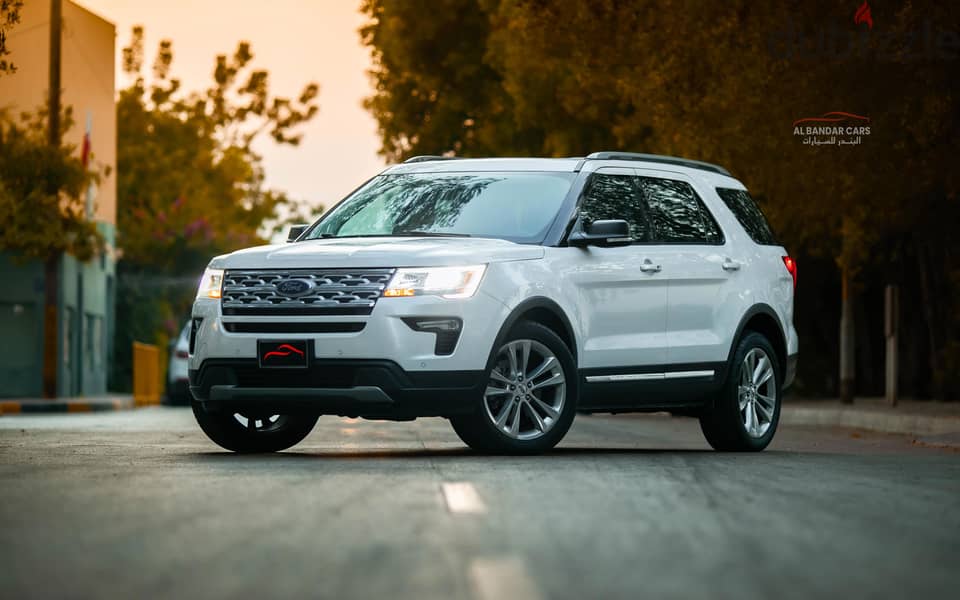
274, 433
550, 394
742, 418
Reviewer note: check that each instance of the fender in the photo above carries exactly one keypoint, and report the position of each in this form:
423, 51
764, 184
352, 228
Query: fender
780, 345
536, 302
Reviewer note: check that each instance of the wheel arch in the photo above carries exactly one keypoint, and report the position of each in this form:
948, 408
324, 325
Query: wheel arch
763, 319
543, 311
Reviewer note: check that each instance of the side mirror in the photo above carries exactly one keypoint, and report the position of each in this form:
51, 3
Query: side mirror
295, 232
612, 232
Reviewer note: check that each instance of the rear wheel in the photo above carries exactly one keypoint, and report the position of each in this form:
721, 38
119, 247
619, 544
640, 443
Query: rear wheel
530, 398
252, 431
747, 409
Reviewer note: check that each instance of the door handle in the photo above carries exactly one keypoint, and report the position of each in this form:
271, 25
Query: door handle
730, 265
648, 267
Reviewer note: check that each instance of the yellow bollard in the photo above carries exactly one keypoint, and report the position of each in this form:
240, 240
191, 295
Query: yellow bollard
146, 374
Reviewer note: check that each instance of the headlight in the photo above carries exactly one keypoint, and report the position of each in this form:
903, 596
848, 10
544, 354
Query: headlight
449, 282
210, 284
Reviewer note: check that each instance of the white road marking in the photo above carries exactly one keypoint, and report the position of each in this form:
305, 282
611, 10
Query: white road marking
462, 497
499, 578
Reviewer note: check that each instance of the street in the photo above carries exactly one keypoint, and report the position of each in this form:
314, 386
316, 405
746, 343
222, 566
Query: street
134, 504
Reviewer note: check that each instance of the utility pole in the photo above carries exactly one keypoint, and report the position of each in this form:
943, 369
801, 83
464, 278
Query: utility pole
847, 338
891, 324
56, 26
51, 267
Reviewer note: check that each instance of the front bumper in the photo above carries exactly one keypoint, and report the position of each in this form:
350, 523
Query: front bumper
376, 365
382, 335
352, 388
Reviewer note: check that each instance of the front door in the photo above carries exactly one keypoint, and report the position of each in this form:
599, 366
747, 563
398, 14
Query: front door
623, 291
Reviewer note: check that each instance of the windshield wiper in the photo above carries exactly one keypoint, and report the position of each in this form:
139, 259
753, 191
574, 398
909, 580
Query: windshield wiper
330, 236
429, 234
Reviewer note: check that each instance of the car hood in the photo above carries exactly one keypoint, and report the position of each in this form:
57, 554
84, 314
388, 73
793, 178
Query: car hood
378, 252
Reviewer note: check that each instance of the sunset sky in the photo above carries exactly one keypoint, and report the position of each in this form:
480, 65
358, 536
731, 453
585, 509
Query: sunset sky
296, 41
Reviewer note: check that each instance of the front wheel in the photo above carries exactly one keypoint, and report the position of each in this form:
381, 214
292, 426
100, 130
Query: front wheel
530, 398
253, 432
747, 409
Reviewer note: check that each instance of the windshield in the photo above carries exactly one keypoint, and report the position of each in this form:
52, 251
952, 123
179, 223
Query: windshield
515, 206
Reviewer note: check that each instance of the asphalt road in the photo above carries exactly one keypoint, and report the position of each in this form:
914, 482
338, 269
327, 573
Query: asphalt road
139, 504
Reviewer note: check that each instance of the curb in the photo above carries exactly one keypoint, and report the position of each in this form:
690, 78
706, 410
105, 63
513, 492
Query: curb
14, 407
876, 421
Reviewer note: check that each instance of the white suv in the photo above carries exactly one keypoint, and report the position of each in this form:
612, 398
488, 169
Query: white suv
505, 294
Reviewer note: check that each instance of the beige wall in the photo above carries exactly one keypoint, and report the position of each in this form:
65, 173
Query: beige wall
87, 76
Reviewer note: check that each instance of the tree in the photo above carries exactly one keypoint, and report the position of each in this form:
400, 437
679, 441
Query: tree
9, 16
435, 93
712, 81
189, 182
41, 187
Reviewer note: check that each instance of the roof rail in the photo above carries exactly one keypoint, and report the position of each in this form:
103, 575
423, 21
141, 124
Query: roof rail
658, 158
428, 158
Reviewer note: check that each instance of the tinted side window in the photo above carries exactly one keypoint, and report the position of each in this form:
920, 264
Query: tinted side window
676, 213
615, 197
748, 213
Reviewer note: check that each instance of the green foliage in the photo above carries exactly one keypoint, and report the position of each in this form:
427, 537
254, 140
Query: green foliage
9, 16
41, 188
674, 77
435, 92
189, 184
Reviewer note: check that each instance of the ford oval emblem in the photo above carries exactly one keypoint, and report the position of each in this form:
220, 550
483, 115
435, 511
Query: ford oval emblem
294, 287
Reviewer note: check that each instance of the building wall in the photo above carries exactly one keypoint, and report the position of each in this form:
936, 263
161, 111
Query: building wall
85, 315
87, 63
21, 321
86, 77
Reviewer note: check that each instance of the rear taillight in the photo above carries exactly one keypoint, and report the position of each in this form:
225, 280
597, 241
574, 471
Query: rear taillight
791, 266
182, 354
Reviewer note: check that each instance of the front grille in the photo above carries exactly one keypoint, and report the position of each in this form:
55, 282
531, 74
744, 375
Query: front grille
294, 327
328, 291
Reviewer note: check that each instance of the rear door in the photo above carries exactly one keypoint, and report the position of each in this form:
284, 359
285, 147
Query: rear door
699, 270
623, 292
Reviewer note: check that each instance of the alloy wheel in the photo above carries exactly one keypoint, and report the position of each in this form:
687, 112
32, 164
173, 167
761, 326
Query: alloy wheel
757, 392
526, 390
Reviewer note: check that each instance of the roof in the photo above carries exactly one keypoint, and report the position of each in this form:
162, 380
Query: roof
660, 159
449, 164
443, 164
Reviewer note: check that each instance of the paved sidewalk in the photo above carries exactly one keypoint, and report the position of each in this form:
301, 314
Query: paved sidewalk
66, 405
911, 417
